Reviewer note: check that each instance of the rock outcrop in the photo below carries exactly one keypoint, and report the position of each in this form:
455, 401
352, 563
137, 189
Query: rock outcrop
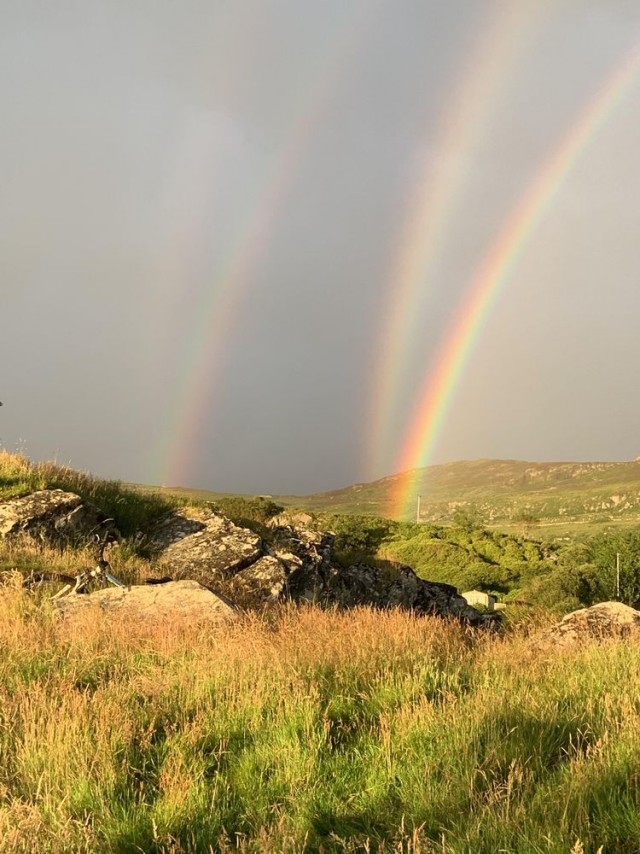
202, 548
296, 565
599, 622
306, 555
49, 516
203, 545
184, 599
397, 587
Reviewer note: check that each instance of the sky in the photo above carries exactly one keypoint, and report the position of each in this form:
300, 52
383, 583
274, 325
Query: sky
235, 236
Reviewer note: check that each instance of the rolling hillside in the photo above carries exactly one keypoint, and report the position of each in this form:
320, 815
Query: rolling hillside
558, 498
500, 492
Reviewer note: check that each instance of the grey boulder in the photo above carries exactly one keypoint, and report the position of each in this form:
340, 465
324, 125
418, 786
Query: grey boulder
203, 545
164, 602
49, 516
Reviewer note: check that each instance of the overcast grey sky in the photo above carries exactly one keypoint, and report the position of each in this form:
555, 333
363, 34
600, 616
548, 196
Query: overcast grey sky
203, 205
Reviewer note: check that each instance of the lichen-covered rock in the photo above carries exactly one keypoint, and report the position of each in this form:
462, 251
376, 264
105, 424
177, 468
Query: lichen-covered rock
184, 599
296, 565
200, 544
298, 546
306, 554
262, 583
49, 516
397, 586
599, 622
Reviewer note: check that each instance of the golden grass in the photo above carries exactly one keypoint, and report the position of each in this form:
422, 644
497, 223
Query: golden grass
308, 730
301, 729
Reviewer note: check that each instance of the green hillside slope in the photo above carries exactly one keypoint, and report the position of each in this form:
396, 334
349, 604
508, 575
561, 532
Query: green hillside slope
499, 492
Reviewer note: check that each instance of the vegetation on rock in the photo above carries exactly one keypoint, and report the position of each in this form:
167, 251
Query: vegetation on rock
132, 510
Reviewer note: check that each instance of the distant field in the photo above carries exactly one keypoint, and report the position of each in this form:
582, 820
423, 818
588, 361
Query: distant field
570, 529
182, 492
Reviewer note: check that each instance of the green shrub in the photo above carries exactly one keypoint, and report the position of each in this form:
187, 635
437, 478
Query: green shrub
252, 513
358, 538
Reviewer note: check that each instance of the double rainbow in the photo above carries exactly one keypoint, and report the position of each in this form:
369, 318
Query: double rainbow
218, 302
499, 42
436, 394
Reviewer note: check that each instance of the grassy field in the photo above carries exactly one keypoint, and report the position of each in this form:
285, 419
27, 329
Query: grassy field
306, 730
311, 731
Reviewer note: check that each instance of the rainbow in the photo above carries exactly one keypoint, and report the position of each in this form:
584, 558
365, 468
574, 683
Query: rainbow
498, 44
440, 384
218, 302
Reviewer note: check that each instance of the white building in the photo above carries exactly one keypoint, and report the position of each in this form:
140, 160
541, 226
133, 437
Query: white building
477, 597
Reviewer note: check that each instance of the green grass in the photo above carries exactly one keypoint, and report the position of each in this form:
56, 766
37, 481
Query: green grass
132, 511
134, 508
304, 730
312, 731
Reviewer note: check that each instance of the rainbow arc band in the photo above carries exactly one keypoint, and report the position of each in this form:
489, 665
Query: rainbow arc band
218, 301
500, 40
440, 384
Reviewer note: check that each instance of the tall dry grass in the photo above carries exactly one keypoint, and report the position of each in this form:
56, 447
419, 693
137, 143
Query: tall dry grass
310, 731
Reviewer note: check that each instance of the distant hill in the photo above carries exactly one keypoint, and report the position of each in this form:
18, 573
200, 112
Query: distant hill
560, 497
499, 492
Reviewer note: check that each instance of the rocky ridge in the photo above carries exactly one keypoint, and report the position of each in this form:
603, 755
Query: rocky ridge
296, 564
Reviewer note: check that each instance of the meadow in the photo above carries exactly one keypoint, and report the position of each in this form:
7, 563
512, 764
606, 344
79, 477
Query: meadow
311, 730
303, 729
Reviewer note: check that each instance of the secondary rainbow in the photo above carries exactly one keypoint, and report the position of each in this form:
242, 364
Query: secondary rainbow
440, 384
218, 303
501, 39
